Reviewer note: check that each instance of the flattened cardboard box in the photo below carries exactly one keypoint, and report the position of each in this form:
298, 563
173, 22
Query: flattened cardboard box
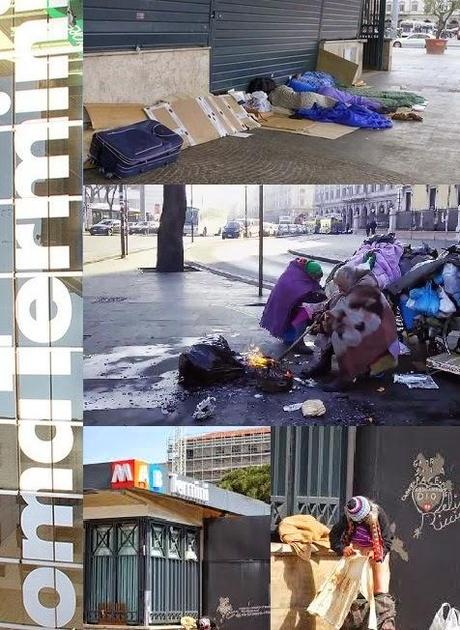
112, 115
329, 131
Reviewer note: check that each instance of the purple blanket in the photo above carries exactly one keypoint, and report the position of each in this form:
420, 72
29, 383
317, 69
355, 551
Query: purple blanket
387, 256
350, 99
292, 287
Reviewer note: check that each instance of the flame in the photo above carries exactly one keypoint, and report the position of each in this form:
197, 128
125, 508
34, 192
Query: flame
256, 359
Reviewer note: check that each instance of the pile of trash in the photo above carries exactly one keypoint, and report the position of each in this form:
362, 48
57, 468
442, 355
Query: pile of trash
422, 285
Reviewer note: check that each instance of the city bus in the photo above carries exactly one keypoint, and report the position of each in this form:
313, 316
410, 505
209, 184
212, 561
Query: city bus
193, 224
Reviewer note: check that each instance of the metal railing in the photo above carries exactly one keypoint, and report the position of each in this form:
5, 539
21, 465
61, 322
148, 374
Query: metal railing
309, 472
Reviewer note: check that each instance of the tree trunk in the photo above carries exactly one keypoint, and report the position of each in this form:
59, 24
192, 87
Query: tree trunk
170, 255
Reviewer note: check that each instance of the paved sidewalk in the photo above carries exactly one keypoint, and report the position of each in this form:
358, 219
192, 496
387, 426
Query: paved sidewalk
336, 248
412, 153
137, 324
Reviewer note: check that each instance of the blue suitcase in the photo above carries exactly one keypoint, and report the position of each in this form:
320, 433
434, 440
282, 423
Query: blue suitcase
135, 149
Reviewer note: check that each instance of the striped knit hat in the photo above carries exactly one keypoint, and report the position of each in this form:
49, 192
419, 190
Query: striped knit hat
358, 508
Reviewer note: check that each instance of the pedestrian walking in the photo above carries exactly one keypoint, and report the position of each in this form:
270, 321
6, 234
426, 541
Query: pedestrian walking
373, 226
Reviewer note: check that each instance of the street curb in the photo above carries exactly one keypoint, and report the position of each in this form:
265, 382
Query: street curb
228, 275
332, 261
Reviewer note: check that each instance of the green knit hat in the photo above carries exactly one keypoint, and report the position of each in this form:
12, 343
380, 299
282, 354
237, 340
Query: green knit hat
314, 269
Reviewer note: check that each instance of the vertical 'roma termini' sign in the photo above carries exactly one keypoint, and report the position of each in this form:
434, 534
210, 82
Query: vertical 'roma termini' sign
40, 314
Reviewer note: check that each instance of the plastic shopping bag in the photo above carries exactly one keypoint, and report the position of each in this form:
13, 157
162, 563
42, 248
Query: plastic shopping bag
446, 305
447, 618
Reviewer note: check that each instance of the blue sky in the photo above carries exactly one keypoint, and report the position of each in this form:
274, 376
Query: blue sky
106, 444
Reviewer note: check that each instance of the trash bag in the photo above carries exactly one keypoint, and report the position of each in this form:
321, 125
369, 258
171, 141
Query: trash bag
446, 305
424, 300
451, 278
211, 360
447, 618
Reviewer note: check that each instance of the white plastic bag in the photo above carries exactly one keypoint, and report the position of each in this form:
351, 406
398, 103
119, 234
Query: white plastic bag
446, 306
447, 618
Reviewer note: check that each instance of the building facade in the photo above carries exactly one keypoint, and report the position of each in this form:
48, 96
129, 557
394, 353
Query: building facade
419, 207
40, 316
283, 201
211, 455
415, 10
158, 548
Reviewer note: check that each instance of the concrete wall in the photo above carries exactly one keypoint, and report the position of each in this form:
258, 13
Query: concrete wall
294, 583
145, 77
349, 49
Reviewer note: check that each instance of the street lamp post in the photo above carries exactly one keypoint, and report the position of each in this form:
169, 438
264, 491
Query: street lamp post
261, 240
122, 220
192, 214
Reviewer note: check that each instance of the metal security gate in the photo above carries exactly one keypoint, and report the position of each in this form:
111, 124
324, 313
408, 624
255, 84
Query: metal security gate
373, 31
253, 38
175, 572
236, 574
309, 471
113, 573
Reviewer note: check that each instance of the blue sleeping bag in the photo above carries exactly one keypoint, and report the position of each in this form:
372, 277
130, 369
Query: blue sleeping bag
311, 82
351, 115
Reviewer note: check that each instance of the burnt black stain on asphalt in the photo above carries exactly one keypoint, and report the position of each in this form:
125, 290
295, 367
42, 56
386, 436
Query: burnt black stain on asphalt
370, 401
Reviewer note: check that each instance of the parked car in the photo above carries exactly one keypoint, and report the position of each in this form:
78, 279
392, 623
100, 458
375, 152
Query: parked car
270, 229
414, 40
106, 227
233, 229
144, 227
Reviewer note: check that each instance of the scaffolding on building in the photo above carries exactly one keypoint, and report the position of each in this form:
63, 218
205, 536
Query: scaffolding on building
208, 457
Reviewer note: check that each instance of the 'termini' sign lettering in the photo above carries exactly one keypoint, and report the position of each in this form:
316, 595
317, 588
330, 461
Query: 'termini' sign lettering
40, 315
189, 489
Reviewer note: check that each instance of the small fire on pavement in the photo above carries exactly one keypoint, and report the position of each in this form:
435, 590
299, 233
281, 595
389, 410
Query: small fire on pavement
270, 376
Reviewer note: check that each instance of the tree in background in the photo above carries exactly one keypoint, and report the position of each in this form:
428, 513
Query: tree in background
442, 10
253, 481
170, 253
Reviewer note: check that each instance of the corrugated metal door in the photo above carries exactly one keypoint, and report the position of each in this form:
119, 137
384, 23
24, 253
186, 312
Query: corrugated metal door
341, 20
128, 24
253, 38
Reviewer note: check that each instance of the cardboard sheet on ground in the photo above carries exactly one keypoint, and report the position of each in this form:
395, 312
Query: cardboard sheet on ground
165, 114
343, 70
329, 131
203, 118
112, 115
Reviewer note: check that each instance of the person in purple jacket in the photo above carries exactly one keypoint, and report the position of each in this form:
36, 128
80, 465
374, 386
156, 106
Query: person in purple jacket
293, 301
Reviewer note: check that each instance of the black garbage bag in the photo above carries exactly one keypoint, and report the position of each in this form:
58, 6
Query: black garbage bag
209, 361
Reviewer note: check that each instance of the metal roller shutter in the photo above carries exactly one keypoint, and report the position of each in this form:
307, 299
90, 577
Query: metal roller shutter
122, 25
252, 38
341, 19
